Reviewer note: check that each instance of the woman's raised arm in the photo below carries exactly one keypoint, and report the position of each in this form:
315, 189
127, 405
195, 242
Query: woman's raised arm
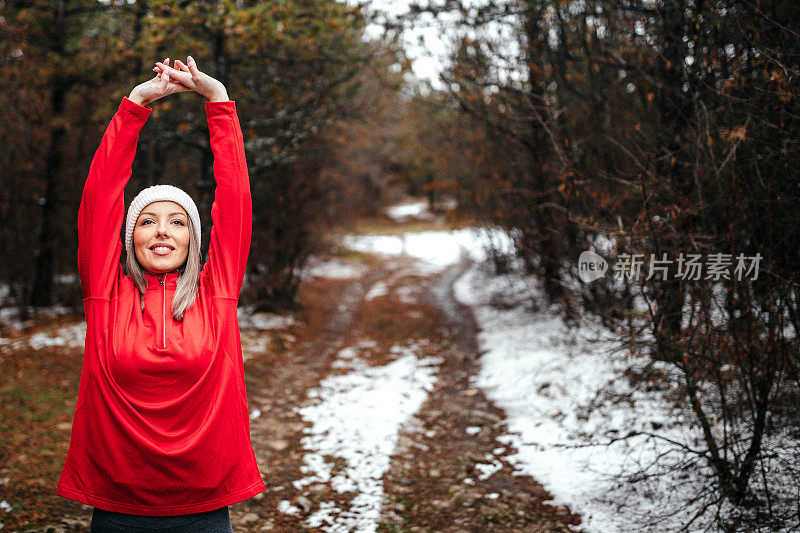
103, 203
232, 212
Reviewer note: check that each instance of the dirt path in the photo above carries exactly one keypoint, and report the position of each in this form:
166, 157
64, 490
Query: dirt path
449, 472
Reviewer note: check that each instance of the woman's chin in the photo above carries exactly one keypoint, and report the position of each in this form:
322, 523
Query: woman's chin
161, 268
156, 264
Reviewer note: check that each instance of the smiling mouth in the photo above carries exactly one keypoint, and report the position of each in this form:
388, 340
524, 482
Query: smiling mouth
161, 249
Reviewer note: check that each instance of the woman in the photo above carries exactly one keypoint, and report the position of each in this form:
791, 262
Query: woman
160, 437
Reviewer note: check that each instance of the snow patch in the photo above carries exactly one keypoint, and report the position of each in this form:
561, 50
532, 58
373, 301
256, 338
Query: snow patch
72, 336
331, 268
435, 250
379, 289
408, 294
254, 344
263, 321
285, 506
349, 358
357, 417
486, 470
10, 316
402, 212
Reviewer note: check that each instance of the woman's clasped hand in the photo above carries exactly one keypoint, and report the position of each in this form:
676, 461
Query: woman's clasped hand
181, 77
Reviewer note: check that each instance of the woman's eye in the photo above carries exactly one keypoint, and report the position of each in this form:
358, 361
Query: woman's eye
179, 222
145, 222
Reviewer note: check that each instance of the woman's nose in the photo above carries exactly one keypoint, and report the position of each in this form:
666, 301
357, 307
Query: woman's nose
163, 230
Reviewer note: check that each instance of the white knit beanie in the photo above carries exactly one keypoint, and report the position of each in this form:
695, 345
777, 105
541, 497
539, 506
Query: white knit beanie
159, 193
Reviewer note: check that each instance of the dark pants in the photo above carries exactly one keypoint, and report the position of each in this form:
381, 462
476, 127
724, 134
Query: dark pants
218, 521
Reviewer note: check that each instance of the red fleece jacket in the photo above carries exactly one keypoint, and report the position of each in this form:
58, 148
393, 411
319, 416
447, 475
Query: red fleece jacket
161, 423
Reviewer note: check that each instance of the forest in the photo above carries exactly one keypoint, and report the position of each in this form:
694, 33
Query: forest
658, 135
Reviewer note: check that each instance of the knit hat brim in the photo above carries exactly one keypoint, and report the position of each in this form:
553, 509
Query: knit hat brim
160, 193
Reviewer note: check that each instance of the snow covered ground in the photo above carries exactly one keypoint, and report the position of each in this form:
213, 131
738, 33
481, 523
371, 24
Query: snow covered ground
567, 397
357, 417
562, 389
68, 336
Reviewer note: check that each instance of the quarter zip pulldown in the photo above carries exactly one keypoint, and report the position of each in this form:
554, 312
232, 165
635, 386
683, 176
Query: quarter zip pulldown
163, 311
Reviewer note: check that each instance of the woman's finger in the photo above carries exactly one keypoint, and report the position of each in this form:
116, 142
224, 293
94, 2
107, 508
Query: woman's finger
182, 66
160, 66
177, 75
192, 64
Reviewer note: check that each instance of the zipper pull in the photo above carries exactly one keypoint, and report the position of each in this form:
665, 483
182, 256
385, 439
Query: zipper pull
161, 281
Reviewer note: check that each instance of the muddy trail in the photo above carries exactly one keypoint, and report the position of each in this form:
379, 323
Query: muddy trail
446, 470
449, 472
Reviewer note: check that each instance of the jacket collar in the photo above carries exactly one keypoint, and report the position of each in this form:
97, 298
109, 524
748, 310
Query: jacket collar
154, 280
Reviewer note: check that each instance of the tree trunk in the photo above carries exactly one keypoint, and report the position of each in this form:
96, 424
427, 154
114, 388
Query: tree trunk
41, 292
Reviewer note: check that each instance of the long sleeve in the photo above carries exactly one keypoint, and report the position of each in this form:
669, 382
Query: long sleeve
103, 202
232, 211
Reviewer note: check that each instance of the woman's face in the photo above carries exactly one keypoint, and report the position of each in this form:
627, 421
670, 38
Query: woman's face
161, 237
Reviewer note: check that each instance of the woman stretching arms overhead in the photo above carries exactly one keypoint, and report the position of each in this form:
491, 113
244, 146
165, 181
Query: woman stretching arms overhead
161, 436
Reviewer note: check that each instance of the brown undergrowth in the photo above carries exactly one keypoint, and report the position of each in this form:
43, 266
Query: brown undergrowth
38, 389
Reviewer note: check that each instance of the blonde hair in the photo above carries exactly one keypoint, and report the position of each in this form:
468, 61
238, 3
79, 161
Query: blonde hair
188, 281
